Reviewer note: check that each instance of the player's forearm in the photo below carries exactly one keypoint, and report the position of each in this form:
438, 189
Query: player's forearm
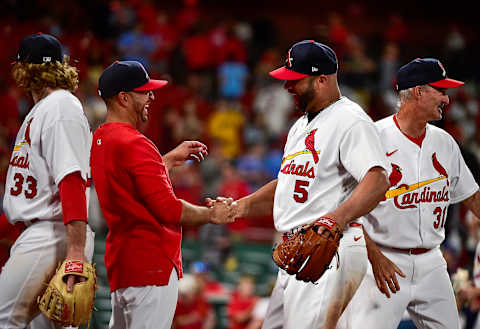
368, 193
194, 215
259, 203
220, 213
76, 239
369, 243
473, 203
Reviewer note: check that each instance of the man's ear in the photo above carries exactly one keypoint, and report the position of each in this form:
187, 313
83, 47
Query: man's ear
122, 98
321, 80
418, 91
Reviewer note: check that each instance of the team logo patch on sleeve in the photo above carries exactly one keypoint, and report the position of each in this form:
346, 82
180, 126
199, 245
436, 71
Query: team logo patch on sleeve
74, 266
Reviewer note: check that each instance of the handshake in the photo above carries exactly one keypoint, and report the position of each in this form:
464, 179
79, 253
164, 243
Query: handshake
223, 210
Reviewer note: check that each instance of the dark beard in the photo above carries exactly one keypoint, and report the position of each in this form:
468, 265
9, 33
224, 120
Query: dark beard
306, 98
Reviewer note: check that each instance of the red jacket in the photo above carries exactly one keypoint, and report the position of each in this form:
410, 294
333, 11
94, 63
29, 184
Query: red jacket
139, 206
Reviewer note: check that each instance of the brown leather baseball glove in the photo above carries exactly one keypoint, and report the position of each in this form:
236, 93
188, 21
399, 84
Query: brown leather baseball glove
308, 254
70, 308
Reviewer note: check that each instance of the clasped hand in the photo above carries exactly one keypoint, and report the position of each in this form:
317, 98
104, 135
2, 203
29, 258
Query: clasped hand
224, 210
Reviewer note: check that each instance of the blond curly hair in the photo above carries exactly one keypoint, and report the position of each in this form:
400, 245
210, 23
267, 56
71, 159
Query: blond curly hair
37, 77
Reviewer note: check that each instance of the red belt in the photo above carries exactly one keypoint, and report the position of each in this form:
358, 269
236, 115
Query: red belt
410, 251
22, 226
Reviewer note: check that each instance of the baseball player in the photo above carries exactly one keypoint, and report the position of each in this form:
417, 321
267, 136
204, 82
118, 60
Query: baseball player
427, 174
46, 185
333, 166
143, 215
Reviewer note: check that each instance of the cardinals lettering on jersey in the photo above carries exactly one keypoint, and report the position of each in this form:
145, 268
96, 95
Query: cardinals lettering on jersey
299, 170
406, 196
20, 161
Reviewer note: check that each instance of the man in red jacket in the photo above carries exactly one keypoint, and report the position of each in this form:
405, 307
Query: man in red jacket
143, 215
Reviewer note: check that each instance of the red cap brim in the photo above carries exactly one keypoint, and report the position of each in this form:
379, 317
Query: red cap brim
447, 83
285, 74
152, 85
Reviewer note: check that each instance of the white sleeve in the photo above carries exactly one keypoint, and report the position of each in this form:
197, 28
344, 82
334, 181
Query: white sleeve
66, 148
463, 184
361, 150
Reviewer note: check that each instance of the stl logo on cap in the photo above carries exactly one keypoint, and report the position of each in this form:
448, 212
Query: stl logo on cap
289, 59
444, 72
144, 70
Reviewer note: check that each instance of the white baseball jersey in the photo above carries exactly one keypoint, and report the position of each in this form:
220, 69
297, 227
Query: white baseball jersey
424, 181
323, 162
53, 141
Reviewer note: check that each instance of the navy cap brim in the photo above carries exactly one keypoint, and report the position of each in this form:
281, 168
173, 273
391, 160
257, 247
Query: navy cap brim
285, 74
447, 83
152, 85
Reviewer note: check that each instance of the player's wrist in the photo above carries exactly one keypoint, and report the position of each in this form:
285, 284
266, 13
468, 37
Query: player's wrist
330, 219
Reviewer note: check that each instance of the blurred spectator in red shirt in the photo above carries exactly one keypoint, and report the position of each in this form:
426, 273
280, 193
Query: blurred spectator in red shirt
242, 303
198, 50
338, 34
397, 29
193, 310
227, 45
211, 288
165, 36
187, 183
188, 16
234, 186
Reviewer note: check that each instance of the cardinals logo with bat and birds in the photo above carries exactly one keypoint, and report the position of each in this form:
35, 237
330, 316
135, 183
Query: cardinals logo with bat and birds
406, 196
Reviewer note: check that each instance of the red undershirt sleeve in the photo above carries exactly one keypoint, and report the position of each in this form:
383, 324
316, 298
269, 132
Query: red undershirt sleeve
72, 195
153, 183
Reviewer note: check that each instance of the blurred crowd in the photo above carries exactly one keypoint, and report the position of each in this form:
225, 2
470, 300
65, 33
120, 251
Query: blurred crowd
220, 93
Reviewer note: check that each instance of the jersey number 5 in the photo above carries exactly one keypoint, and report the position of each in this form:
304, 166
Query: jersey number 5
300, 194
31, 190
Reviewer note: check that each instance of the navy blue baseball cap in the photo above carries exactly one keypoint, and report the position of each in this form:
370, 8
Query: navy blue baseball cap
422, 71
126, 76
307, 58
40, 48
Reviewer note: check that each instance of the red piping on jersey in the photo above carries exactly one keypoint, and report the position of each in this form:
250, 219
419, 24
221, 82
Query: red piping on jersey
417, 141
